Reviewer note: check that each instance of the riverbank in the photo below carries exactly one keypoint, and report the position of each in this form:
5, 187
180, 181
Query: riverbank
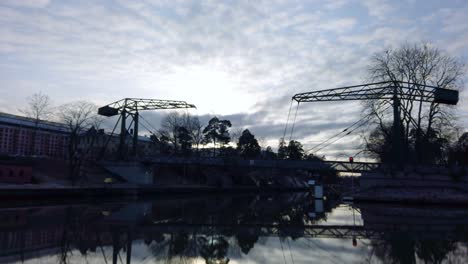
125, 190
413, 195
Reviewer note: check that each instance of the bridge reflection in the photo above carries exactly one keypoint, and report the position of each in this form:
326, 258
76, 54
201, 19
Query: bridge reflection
207, 226
340, 166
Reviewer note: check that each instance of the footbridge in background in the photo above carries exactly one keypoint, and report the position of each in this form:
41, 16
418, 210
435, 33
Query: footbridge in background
340, 166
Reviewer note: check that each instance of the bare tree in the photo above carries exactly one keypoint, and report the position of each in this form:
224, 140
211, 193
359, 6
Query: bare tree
262, 141
192, 124
169, 127
39, 107
171, 124
77, 116
236, 134
421, 64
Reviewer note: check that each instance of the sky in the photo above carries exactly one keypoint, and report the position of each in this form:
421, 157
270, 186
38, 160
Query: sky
241, 60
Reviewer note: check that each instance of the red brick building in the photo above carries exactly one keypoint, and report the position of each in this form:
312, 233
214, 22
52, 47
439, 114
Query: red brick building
22, 136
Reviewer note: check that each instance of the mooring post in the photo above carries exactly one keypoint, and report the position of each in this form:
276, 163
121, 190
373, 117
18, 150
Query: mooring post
135, 134
123, 134
396, 127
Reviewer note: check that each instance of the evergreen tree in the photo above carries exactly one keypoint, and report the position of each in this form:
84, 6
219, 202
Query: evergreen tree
269, 154
248, 146
295, 151
185, 140
217, 132
282, 149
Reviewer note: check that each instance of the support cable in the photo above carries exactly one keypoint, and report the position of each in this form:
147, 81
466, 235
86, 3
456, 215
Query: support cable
337, 134
282, 249
287, 120
290, 253
348, 128
127, 139
147, 129
110, 137
294, 122
149, 124
349, 132
330, 255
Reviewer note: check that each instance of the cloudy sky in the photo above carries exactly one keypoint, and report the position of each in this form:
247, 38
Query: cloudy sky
239, 59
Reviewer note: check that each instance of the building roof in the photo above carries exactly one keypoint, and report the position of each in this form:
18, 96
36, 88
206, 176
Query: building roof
91, 131
23, 121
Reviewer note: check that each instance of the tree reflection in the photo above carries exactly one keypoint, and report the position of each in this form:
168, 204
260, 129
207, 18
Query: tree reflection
400, 247
246, 241
434, 251
214, 249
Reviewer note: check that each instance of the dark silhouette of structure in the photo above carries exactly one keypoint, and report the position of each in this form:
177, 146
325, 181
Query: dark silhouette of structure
392, 91
130, 107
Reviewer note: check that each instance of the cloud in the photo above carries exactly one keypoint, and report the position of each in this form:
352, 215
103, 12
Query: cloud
379, 9
26, 3
242, 60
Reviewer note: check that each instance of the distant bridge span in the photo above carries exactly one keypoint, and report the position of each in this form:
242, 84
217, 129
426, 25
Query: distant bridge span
340, 166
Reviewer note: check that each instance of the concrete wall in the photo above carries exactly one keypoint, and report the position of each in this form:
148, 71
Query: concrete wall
416, 177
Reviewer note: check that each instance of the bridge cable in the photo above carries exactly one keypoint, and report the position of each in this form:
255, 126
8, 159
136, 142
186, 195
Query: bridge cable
294, 122
287, 120
337, 134
128, 139
349, 132
346, 129
148, 123
290, 253
148, 129
282, 250
330, 256
103, 150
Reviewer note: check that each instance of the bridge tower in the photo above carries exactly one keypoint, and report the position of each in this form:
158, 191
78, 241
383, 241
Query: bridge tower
130, 107
393, 91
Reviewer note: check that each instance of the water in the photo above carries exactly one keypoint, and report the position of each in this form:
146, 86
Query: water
286, 228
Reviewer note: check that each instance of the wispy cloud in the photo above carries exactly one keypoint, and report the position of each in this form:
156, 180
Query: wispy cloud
243, 60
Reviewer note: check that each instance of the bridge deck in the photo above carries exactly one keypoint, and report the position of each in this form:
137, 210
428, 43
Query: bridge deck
341, 166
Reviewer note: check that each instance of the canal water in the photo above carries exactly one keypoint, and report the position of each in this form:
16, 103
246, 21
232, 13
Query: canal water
267, 228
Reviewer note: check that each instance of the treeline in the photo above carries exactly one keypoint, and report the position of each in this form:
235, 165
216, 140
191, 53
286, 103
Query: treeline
182, 134
429, 133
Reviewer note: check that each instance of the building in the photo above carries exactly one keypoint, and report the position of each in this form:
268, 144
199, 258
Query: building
23, 136
94, 144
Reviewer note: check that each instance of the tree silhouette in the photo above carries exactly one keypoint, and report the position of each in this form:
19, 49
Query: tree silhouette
39, 108
176, 125
185, 140
422, 125
217, 132
269, 154
282, 149
248, 146
78, 116
295, 151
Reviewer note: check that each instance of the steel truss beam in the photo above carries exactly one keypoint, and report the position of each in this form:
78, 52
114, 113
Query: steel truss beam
390, 90
131, 107
382, 90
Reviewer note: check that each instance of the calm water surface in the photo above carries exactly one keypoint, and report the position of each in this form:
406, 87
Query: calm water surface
286, 228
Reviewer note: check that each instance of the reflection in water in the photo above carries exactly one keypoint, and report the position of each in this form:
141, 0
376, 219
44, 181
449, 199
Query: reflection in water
283, 228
